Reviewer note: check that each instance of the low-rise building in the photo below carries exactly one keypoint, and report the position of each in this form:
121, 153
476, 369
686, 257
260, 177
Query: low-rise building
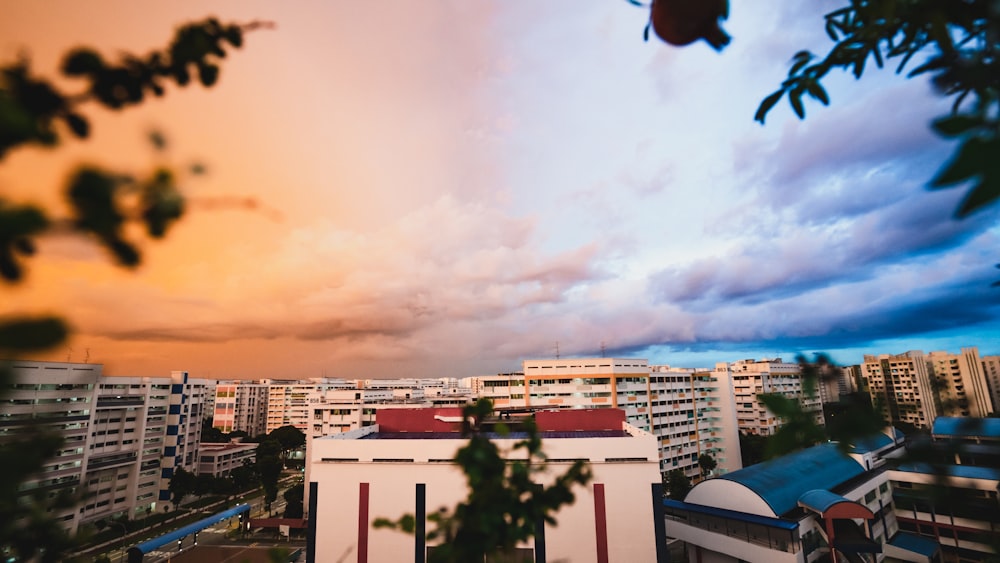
219, 460
404, 464
799, 508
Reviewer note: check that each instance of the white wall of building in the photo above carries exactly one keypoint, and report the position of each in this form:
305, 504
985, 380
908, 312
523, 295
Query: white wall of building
392, 493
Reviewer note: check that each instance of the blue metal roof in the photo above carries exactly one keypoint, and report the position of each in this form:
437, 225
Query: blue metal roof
917, 544
781, 481
966, 471
871, 443
180, 533
966, 427
820, 500
731, 514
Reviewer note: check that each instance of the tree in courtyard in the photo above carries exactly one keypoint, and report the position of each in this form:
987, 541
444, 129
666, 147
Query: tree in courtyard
676, 484
210, 434
182, 484
294, 497
289, 437
268, 468
707, 464
505, 501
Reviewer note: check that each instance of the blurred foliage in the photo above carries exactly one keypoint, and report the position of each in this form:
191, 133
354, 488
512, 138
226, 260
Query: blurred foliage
27, 527
682, 22
505, 502
39, 112
800, 428
962, 40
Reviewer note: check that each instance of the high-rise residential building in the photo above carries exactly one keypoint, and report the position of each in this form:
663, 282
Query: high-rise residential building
689, 412
991, 371
124, 436
961, 383
241, 406
750, 378
916, 388
901, 386
694, 415
289, 403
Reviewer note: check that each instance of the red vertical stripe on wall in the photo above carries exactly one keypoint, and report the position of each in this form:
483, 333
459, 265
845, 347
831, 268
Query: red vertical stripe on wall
363, 523
601, 523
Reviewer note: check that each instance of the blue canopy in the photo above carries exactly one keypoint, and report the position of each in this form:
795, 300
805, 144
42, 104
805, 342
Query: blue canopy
136, 552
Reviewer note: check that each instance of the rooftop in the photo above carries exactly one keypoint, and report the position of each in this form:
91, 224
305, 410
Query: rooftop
966, 471
780, 482
966, 427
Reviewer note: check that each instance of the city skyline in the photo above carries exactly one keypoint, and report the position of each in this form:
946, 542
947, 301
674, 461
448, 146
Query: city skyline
447, 190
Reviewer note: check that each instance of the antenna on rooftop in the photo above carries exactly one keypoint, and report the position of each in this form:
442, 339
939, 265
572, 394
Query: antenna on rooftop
604, 352
557, 349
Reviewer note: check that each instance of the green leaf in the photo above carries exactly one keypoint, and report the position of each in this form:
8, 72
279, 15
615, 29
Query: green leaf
988, 189
208, 74
82, 61
956, 125
32, 334
816, 91
795, 99
78, 125
766, 105
968, 161
234, 35
801, 59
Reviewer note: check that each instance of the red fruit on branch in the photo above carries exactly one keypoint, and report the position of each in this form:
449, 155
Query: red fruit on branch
681, 22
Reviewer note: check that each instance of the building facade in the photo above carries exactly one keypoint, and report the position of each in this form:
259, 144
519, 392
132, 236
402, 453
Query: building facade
403, 464
123, 436
991, 371
961, 383
750, 378
901, 387
799, 508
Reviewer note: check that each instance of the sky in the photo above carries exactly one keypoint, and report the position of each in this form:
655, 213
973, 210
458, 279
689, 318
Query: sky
448, 188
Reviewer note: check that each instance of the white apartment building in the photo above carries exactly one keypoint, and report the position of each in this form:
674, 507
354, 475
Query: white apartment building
574, 383
694, 415
289, 403
123, 436
404, 464
219, 460
750, 378
690, 413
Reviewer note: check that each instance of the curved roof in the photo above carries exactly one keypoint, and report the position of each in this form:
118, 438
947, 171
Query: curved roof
780, 482
820, 500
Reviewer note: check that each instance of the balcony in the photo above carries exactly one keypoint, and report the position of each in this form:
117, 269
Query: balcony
117, 401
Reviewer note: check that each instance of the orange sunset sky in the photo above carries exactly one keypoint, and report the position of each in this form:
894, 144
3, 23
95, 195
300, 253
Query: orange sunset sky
446, 188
